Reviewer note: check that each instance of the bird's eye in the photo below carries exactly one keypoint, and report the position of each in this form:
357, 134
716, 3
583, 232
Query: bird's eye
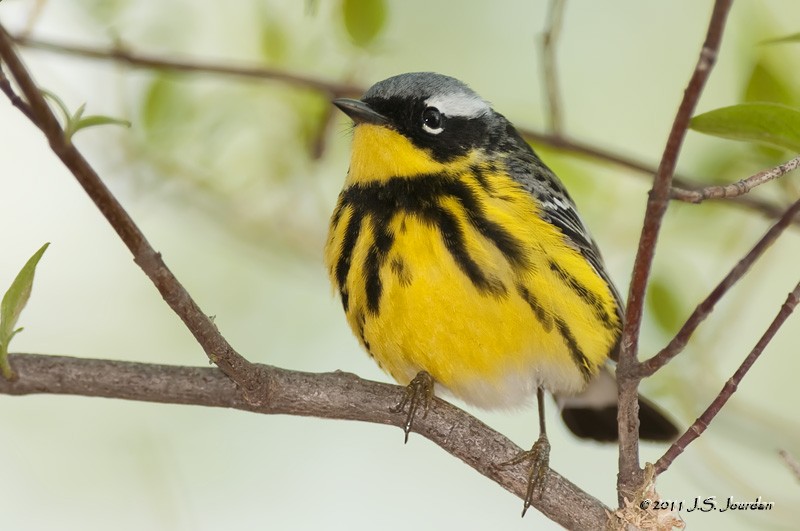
432, 120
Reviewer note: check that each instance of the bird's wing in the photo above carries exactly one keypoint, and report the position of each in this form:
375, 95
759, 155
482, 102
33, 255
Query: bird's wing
558, 208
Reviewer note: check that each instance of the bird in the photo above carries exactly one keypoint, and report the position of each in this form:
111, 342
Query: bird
464, 267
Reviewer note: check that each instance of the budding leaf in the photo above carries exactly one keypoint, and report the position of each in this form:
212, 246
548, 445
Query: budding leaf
13, 302
74, 122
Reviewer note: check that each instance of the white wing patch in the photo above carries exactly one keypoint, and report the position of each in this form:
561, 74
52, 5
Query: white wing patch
459, 104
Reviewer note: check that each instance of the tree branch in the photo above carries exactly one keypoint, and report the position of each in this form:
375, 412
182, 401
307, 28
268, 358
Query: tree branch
700, 425
630, 473
336, 395
555, 141
678, 343
199, 324
153, 62
736, 189
686, 187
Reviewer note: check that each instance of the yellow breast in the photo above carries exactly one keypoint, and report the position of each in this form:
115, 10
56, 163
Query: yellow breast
453, 271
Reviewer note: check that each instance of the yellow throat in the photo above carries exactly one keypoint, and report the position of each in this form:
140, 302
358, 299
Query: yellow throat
442, 272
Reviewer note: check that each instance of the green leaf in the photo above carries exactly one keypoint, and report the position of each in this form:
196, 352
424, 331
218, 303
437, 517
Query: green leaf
92, 121
794, 37
74, 122
59, 103
13, 302
771, 124
78, 114
364, 20
664, 305
98, 119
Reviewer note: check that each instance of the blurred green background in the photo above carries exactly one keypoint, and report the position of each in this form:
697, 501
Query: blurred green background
221, 175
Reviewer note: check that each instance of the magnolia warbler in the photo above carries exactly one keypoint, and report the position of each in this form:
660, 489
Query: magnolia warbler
462, 262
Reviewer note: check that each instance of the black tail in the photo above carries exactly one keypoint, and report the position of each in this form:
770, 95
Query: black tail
593, 414
600, 424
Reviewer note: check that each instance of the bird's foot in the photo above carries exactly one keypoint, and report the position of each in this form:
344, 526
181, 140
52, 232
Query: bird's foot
539, 458
417, 393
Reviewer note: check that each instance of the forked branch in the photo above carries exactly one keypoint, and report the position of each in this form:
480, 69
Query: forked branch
701, 424
199, 324
630, 473
678, 343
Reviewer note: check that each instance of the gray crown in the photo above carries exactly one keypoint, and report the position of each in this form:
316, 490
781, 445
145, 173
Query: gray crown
418, 85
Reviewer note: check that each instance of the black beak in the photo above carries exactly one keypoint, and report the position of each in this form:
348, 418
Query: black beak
359, 112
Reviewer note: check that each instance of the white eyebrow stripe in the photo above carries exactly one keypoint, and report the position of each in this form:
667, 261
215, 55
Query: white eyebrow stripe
459, 104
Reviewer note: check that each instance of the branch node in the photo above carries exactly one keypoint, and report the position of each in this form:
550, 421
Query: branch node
258, 393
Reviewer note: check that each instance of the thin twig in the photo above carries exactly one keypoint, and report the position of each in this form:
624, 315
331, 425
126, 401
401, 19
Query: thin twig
16, 101
555, 17
143, 60
678, 343
791, 462
701, 424
555, 141
686, 185
198, 323
734, 189
193, 65
630, 472
336, 395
